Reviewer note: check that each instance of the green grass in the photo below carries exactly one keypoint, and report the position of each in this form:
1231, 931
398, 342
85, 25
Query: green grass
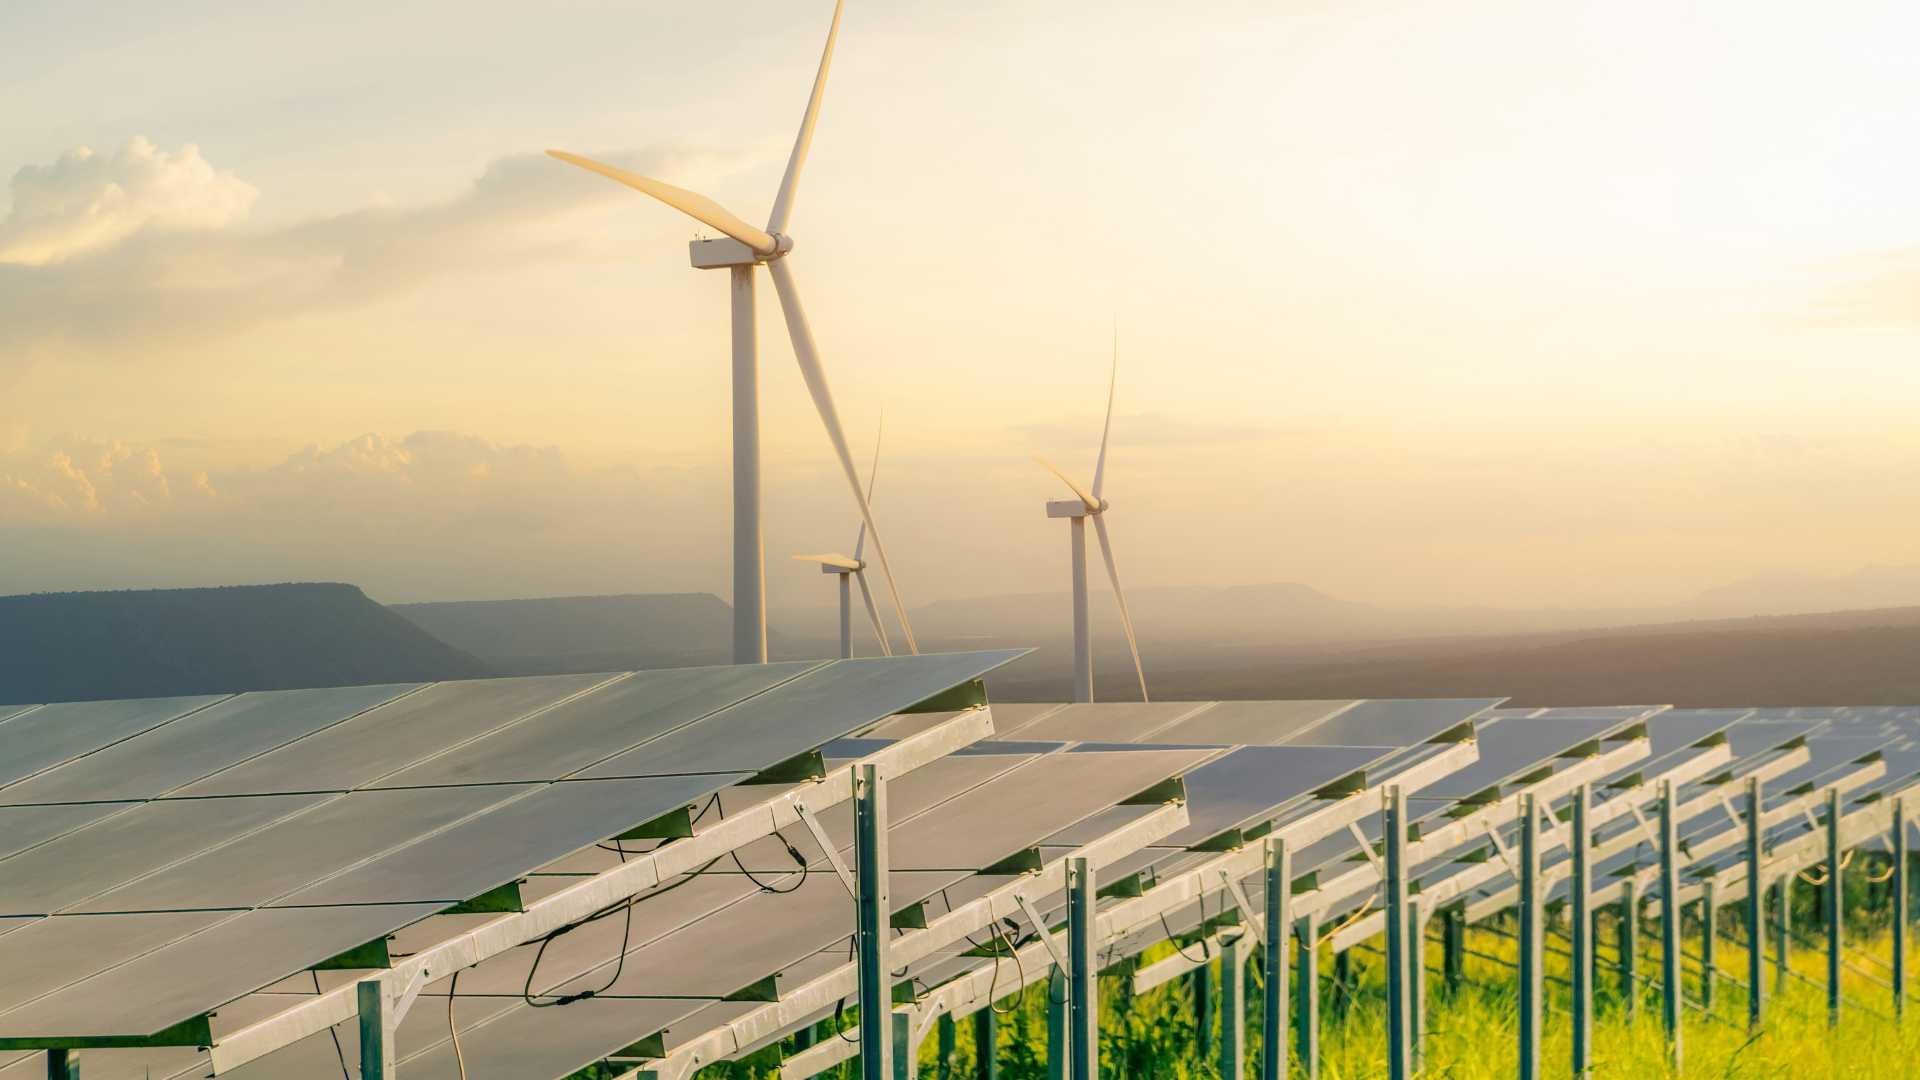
1472, 1030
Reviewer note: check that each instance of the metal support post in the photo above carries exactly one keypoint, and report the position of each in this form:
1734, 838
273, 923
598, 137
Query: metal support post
1670, 938
1756, 905
1782, 929
1707, 908
986, 1044
1059, 1029
949, 1039
63, 1065
1416, 985
1899, 848
1834, 898
1453, 947
1083, 983
376, 1030
1580, 967
1394, 829
1307, 989
1629, 948
1203, 1008
1279, 898
1531, 940
1233, 1009
906, 1048
871, 923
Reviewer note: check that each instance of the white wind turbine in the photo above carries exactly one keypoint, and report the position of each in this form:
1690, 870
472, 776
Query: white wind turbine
746, 248
1089, 504
851, 569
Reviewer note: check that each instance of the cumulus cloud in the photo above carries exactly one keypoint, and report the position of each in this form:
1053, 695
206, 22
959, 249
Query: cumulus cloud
68, 479
150, 247
87, 201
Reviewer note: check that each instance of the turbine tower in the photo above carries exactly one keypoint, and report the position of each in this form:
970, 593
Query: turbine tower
851, 569
743, 250
1078, 510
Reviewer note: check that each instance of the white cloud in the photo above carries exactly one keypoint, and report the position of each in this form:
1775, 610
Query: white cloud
76, 479
87, 201
148, 248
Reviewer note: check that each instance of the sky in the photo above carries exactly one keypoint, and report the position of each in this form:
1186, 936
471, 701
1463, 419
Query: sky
1487, 302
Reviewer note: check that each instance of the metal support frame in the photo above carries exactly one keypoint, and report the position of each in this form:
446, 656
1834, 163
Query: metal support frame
1394, 830
986, 1045
1897, 843
758, 1028
1233, 1009
871, 923
1629, 948
1835, 898
1580, 973
1755, 909
63, 1065
1083, 987
1307, 990
1532, 944
1671, 991
1279, 895
569, 905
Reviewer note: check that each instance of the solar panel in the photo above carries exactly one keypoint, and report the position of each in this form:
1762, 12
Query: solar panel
1392, 723
197, 745
335, 872
718, 934
1257, 723
51, 734
1111, 722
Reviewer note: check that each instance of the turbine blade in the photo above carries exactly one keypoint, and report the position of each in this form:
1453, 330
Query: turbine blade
808, 357
783, 202
1126, 618
873, 613
1113, 377
1093, 504
873, 475
694, 205
840, 561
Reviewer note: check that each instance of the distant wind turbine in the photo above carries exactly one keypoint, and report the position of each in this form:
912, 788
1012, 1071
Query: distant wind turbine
746, 248
1089, 504
853, 568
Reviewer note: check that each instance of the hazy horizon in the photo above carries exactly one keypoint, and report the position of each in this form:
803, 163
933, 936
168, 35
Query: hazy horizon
1500, 305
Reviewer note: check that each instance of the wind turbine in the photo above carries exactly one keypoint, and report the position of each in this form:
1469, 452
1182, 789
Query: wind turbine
1090, 505
744, 249
851, 569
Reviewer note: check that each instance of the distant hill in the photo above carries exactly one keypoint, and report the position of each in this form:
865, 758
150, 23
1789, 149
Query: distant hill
583, 633
150, 643
1837, 658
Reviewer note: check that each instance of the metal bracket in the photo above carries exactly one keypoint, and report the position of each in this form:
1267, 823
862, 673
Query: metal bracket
1646, 827
826, 844
1500, 848
1366, 848
404, 1000
1551, 829
1251, 920
1040, 928
1732, 814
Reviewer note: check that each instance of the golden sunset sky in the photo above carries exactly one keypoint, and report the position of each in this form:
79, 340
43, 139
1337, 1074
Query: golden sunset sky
1483, 302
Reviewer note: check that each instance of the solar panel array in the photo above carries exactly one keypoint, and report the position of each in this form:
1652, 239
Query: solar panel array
179, 874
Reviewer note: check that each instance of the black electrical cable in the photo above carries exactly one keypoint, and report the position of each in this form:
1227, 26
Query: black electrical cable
335, 1032
792, 853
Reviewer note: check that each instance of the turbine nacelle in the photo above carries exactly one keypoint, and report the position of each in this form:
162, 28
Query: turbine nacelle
723, 252
1075, 508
